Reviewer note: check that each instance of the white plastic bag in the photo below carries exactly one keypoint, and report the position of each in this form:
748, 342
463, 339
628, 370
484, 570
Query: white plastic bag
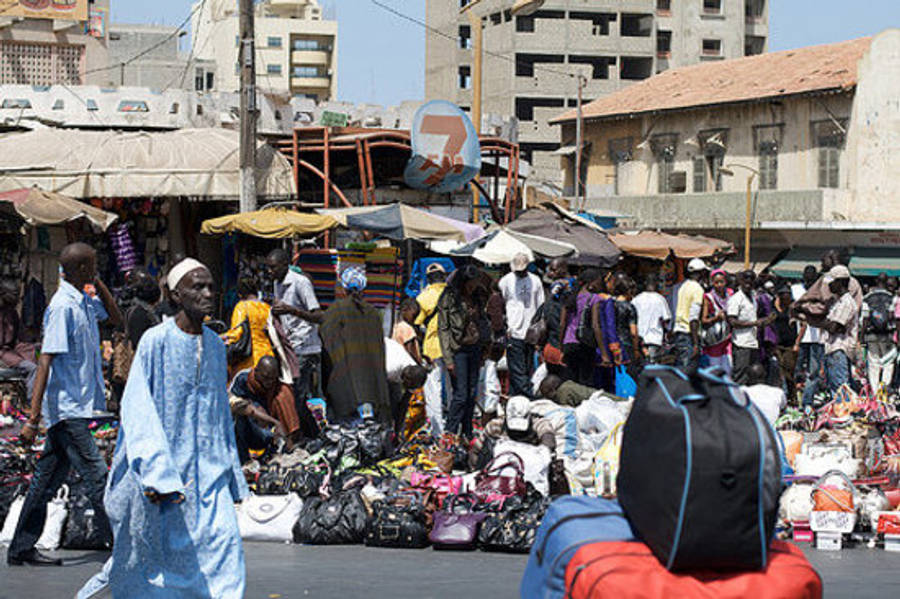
535, 457
269, 518
537, 378
51, 536
489, 390
796, 503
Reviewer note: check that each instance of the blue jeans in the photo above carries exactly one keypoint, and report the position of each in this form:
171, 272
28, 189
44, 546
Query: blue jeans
466, 363
837, 370
249, 435
519, 361
69, 445
685, 359
809, 366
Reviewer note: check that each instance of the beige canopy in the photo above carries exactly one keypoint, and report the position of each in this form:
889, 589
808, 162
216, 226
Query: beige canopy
269, 223
39, 207
115, 164
658, 245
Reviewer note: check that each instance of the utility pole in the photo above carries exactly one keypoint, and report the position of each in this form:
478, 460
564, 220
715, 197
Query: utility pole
248, 107
579, 143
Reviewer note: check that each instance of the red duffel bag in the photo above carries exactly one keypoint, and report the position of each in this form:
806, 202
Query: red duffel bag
630, 570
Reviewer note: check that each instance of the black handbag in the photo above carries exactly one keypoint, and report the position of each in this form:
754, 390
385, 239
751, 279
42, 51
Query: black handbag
698, 460
271, 482
243, 347
84, 528
304, 481
399, 522
337, 520
374, 442
513, 528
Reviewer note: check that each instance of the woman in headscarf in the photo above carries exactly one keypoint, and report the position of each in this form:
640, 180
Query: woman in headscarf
715, 332
353, 364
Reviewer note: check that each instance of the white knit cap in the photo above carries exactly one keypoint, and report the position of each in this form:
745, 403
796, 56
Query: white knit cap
181, 269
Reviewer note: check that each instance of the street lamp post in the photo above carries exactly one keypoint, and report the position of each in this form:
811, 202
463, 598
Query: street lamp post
748, 216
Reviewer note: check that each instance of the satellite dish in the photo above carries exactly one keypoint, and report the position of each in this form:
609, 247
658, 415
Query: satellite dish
526, 7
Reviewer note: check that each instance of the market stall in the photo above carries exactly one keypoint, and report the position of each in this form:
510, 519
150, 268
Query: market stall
402, 222
593, 244
500, 245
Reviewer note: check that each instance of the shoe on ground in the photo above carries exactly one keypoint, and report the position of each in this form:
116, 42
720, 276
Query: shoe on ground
33, 558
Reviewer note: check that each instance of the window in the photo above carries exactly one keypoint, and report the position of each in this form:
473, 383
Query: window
525, 62
636, 25
599, 20
273, 69
829, 138
663, 43
768, 165
133, 106
712, 7
465, 37
699, 164
198, 80
237, 41
635, 68
712, 47
59, 105
600, 64
620, 152
199, 110
174, 108
663, 147
713, 143
306, 72
273, 42
754, 44
307, 44
91, 105
767, 140
465, 77
525, 24
664, 5
17, 103
525, 108
496, 18
210, 80
754, 9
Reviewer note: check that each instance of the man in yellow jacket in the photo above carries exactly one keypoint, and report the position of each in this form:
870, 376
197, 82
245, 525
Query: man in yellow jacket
437, 386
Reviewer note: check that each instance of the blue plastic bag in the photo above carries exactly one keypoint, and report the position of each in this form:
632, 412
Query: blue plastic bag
625, 385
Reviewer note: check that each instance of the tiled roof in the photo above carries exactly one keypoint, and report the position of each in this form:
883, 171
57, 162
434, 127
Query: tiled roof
804, 70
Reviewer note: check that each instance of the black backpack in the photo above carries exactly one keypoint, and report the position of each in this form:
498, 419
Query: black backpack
585, 329
881, 317
700, 472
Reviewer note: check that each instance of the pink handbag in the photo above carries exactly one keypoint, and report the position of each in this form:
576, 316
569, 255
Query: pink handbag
442, 484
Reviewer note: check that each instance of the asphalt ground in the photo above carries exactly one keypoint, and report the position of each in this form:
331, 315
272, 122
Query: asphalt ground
277, 571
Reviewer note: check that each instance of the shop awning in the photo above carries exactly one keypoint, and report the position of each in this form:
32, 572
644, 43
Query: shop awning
658, 245
501, 245
39, 207
202, 163
760, 259
555, 223
793, 263
399, 221
870, 262
271, 223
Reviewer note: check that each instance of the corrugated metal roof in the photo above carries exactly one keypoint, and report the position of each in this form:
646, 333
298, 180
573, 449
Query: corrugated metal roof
804, 70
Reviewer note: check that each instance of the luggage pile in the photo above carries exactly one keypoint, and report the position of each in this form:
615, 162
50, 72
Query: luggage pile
351, 487
842, 471
696, 509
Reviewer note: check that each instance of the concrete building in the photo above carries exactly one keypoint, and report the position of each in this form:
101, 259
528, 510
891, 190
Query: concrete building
530, 62
49, 50
817, 130
168, 64
296, 50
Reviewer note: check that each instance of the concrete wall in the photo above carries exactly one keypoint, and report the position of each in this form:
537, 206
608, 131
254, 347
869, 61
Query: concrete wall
566, 37
49, 31
216, 30
868, 185
873, 140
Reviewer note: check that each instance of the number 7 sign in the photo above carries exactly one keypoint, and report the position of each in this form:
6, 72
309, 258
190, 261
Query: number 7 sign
445, 146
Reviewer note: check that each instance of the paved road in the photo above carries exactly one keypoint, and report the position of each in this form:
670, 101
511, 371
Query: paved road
288, 572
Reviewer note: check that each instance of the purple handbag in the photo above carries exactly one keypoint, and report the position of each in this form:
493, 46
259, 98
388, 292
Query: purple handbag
453, 530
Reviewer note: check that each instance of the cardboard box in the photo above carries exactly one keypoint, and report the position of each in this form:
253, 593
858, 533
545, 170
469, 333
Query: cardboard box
829, 541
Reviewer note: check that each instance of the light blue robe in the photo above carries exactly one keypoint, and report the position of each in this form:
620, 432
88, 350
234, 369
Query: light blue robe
176, 435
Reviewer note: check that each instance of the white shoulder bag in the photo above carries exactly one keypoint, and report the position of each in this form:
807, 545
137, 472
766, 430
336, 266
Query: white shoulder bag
269, 518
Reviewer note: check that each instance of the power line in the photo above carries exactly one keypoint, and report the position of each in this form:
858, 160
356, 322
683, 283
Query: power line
456, 39
193, 53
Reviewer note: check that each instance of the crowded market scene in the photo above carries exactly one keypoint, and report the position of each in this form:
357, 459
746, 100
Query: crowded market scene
384, 353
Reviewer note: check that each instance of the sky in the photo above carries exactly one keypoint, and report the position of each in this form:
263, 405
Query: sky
381, 57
